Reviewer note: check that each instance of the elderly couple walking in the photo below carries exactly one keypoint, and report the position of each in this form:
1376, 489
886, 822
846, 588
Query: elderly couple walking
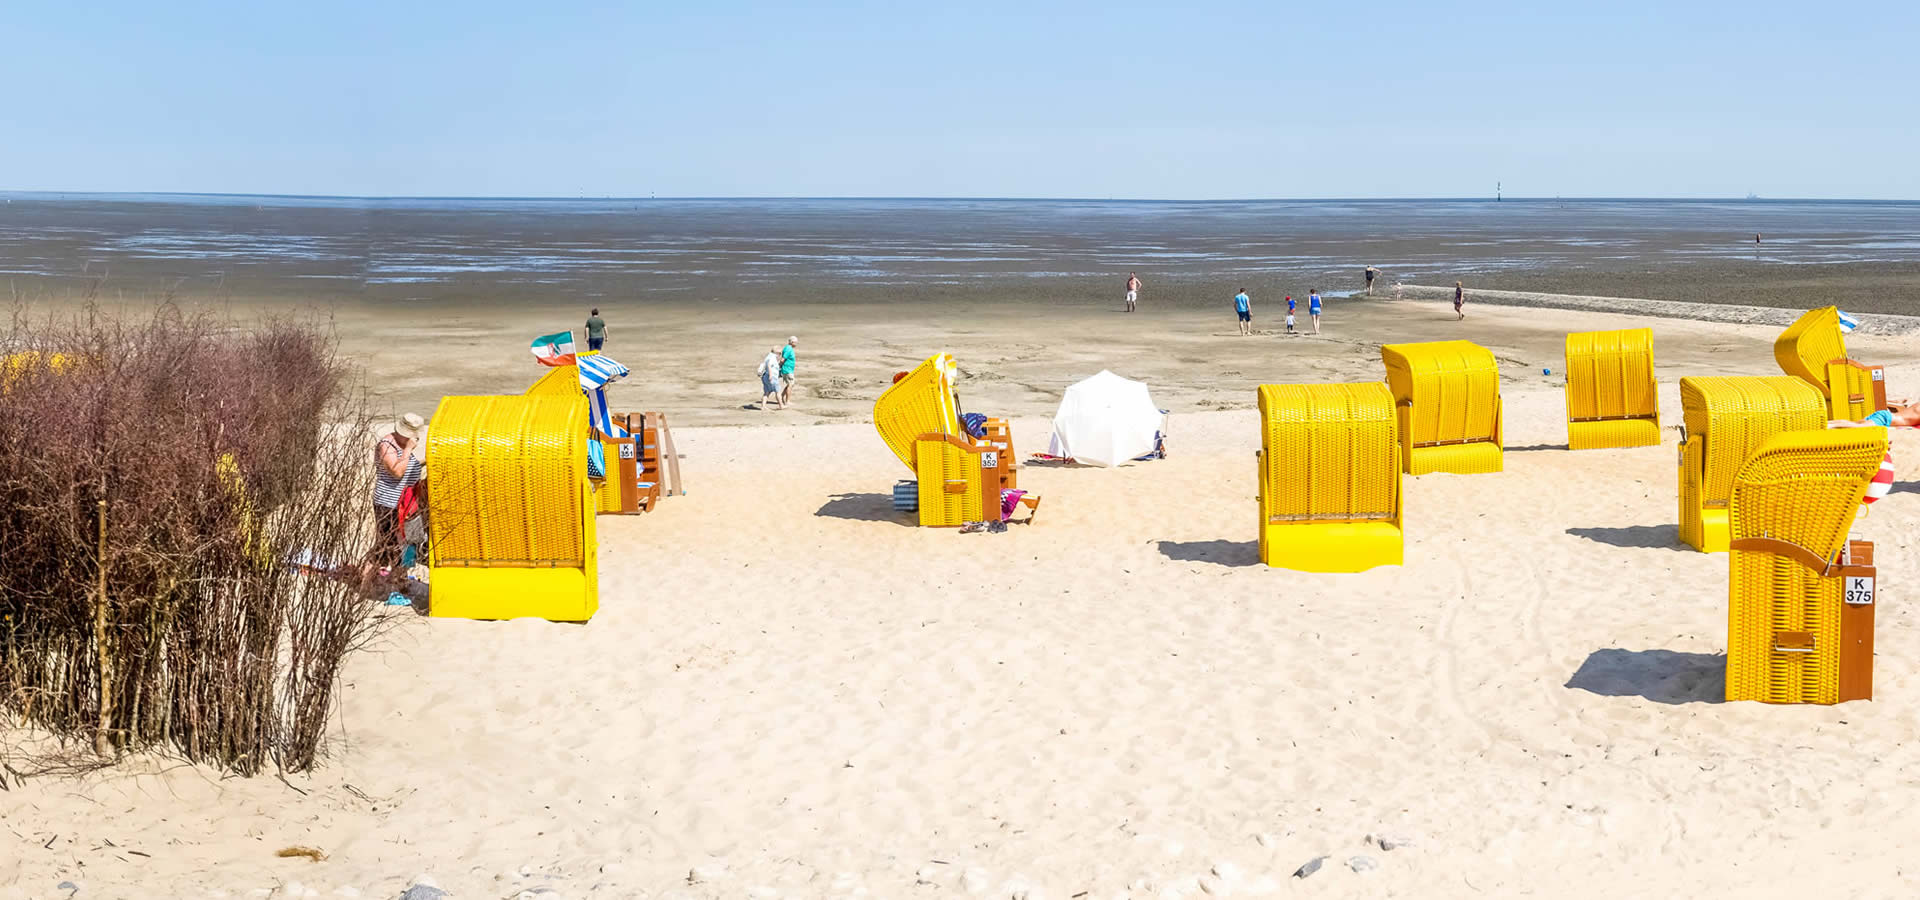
778, 365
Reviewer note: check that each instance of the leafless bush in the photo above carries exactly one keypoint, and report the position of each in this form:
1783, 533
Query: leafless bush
158, 481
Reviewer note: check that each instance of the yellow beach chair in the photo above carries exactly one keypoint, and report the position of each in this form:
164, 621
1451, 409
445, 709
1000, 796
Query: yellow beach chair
959, 477
1612, 399
1814, 349
1329, 475
1793, 635
511, 512
1448, 394
1727, 418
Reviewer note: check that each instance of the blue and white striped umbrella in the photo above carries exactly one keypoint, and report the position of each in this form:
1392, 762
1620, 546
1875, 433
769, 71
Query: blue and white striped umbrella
1848, 323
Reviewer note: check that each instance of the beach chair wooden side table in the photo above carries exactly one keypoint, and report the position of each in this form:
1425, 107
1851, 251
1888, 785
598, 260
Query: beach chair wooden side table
1799, 591
1612, 397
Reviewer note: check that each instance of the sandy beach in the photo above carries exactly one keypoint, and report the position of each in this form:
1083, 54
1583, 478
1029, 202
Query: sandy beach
790, 692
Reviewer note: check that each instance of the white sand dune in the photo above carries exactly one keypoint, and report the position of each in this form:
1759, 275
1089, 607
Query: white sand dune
790, 692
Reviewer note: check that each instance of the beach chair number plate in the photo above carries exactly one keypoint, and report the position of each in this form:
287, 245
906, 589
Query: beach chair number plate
1860, 590
1879, 375
626, 451
990, 459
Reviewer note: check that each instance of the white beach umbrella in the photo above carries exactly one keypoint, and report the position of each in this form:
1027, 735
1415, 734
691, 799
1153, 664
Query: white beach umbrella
1105, 421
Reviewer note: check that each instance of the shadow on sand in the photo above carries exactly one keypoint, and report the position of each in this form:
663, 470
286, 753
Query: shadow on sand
1657, 537
1219, 553
865, 508
1663, 676
1532, 447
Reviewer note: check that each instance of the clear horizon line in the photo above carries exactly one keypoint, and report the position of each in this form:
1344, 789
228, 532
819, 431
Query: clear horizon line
960, 198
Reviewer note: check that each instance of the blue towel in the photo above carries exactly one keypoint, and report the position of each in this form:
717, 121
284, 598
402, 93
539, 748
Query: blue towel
974, 423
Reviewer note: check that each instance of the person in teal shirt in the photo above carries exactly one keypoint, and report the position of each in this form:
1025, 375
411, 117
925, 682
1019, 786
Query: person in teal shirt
786, 370
1243, 307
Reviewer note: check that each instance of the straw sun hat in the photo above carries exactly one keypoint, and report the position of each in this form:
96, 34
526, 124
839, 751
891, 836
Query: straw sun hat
409, 426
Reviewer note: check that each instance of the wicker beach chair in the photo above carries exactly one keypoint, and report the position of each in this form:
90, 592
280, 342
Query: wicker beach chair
959, 477
1612, 398
1329, 476
1448, 394
1727, 418
1799, 613
511, 513
1815, 350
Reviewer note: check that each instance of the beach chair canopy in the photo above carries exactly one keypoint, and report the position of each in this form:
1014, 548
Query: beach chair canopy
1812, 341
1106, 420
921, 402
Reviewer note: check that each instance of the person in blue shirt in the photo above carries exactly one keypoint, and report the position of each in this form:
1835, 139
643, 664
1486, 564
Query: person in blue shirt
1313, 308
1243, 305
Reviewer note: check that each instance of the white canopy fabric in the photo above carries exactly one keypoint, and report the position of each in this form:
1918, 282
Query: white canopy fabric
1105, 421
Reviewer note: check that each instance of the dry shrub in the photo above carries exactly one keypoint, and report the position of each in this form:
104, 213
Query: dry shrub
215, 456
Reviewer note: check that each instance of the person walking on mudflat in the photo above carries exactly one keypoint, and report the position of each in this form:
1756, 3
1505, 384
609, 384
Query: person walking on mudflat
1133, 290
1459, 299
1313, 308
596, 330
1243, 307
1371, 274
787, 363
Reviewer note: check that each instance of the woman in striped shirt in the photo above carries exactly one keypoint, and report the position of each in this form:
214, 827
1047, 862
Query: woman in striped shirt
394, 469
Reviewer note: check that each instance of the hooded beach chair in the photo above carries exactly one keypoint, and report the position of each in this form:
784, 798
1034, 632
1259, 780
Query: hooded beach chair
1329, 476
511, 514
1799, 595
1727, 419
1814, 349
959, 478
1448, 398
1612, 398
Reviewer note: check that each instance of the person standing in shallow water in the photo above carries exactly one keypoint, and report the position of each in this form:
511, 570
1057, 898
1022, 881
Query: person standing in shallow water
596, 330
1243, 307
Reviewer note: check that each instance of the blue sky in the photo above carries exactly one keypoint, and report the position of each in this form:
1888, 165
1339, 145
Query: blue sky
1192, 100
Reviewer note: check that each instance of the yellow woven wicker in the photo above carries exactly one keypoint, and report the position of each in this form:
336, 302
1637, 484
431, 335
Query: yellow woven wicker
511, 525
1727, 418
921, 403
559, 380
1784, 601
1329, 477
1814, 349
1448, 394
1612, 398
950, 484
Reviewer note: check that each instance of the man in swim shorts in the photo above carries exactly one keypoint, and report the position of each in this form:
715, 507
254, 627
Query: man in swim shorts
1133, 290
1243, 307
